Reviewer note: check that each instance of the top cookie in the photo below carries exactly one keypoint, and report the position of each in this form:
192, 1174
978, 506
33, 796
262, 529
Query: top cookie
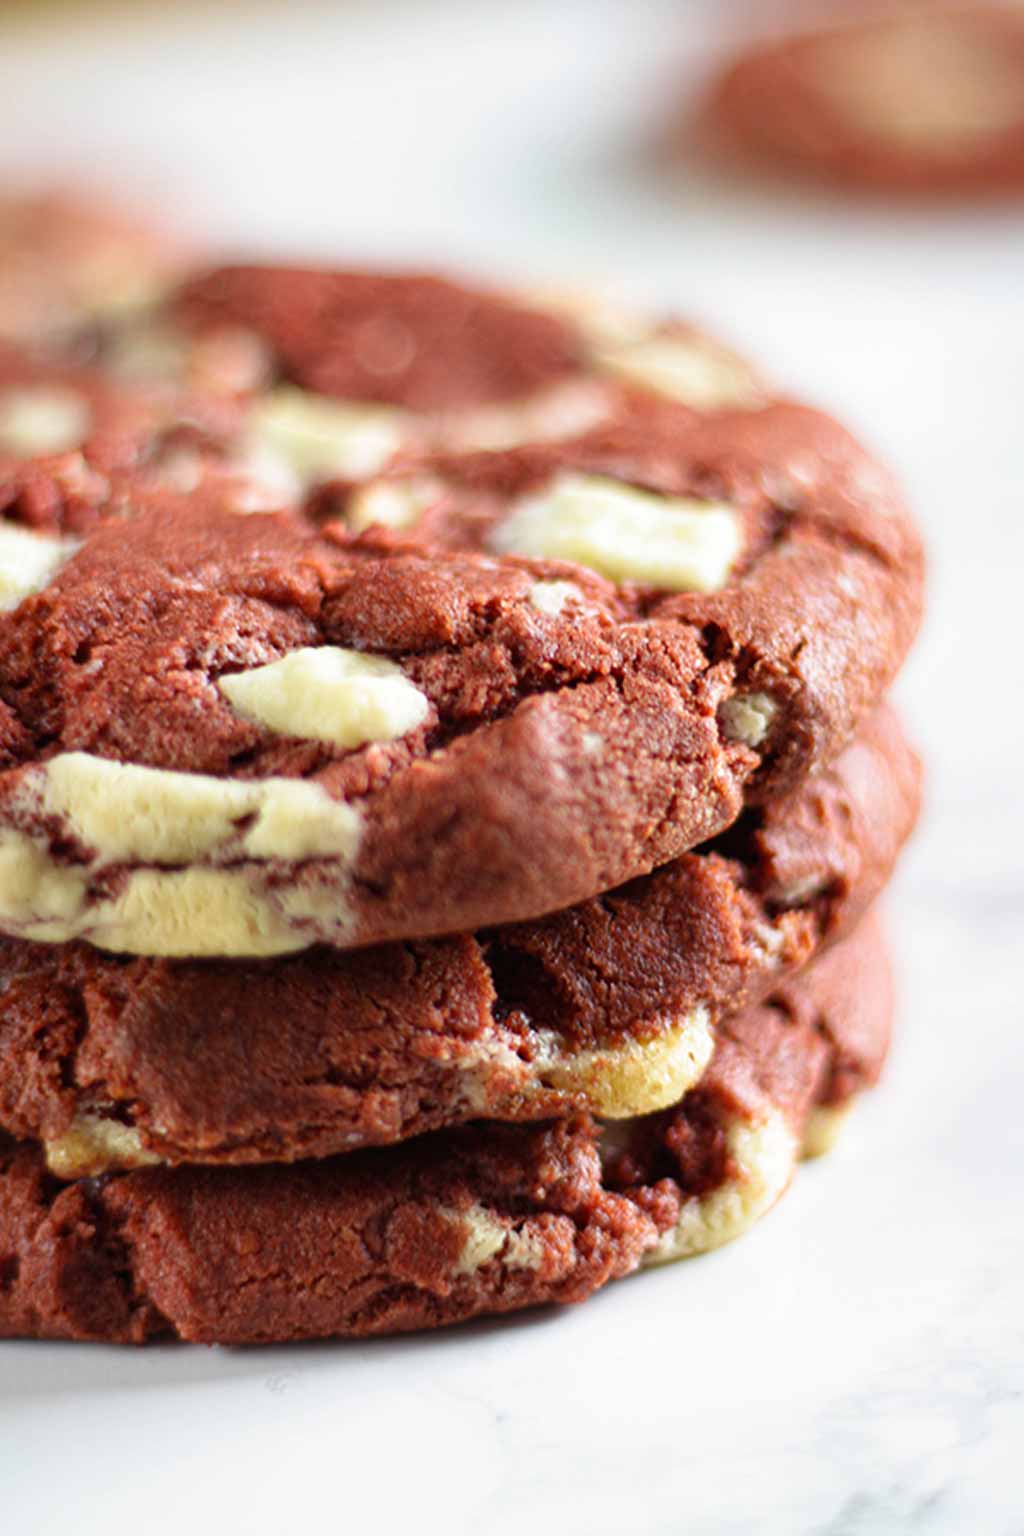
925, 99
279, 382
344, 369
570, 663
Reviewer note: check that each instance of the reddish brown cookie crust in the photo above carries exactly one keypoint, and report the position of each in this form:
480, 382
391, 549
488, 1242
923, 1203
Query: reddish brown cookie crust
412, 340
376, 1242
326, 1051
818, 616
769, 106
496, 809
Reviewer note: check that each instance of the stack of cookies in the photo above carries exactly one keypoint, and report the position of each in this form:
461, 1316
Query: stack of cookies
445, 787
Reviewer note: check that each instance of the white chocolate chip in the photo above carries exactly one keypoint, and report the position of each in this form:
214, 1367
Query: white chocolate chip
28, 562
825, 1125
327, 693
636, 1077
623, 533
95, 1144
696, 373
550, 597
747, 717
322, 438
762, 1153
692, 369
230, 360
42, 419
489, 1238
131, 814
219, 900
602, 317
593, 742
266, 481
391, 503
771, 941
486, 1237
181, 470
225, 361
801, 891
565, 411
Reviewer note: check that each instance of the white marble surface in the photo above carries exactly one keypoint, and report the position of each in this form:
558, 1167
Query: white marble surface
856, 1366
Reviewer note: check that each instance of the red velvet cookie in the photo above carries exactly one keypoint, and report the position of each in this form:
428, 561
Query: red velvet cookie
928, 98
234, 735
612, 1006
488, 1218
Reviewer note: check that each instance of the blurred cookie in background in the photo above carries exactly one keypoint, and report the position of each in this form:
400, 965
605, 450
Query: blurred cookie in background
68, 260
922, 98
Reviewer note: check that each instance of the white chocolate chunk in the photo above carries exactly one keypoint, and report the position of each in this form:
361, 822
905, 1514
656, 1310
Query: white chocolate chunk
221, 900
635, 1077
488, 1237
825, 1125
601, 316
772, 941
225, 361
221, 912
695, 373
42, 419
146, 353
95, 1144
321, 438
131, 814
172, 912
550, 597
747, 717
928, 84
28, 562
625, 534
327, 693
266, 481
638, 1076
567, 410
763, 1153
391, 503
692, 369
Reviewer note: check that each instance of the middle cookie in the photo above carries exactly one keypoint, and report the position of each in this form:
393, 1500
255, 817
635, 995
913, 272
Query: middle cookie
611, 1006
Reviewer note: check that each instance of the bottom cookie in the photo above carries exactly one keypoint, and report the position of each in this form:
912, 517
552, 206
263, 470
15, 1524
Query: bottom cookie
483, 1219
